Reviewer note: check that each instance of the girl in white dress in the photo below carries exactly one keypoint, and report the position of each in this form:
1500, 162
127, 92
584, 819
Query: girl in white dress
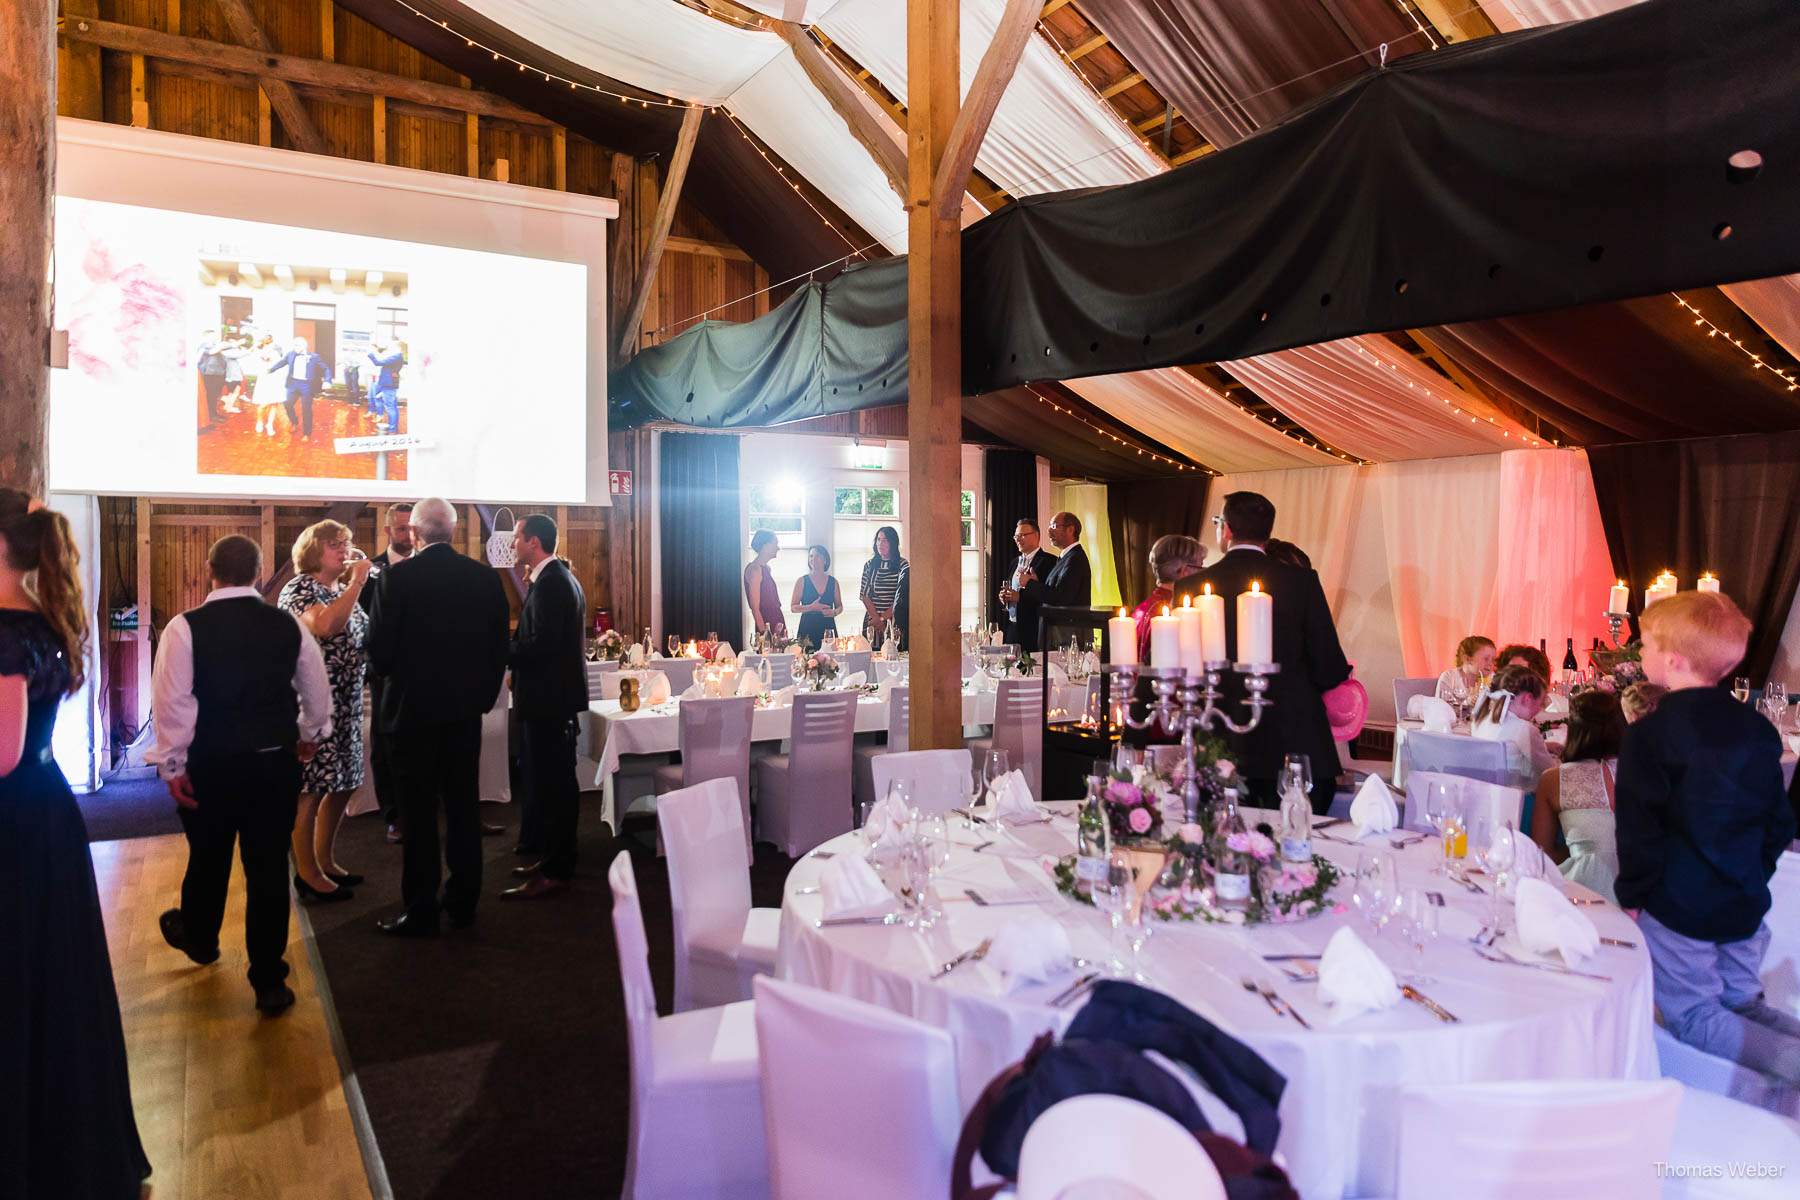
270, 391
1576, 798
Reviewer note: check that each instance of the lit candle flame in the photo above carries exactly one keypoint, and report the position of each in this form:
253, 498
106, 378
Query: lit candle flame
1165, 610
1187, 602
1255, 586
1121, 613
1207, 588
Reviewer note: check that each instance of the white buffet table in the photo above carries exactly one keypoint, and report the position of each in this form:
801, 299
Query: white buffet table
1340, 1110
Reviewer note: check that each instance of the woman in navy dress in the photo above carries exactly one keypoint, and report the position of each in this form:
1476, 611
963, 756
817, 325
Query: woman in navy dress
66, 1125
818, 599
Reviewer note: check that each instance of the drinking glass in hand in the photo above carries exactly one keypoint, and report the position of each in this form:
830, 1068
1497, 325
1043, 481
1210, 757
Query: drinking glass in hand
1740, 687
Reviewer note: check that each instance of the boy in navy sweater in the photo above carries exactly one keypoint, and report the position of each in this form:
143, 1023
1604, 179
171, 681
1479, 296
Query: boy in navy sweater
1702, 819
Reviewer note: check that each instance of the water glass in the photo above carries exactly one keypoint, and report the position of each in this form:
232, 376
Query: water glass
1377, 889
996, 764
1418, 922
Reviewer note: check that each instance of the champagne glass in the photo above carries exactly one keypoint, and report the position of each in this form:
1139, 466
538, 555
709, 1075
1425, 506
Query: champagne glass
1113, 895
993, 766
1418, 924
1740, 687
1440, 811
1376, 889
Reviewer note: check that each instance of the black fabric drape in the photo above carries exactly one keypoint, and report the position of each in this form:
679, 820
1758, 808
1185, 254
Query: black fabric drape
1010, 478
703, 588
1141, 512
1725, 505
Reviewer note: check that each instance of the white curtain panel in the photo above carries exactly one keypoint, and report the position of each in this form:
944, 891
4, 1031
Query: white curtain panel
801, 12
1368, 398
1774, 304
1315, 509
1088, 502
1441, 523
1554, 570
1188, 416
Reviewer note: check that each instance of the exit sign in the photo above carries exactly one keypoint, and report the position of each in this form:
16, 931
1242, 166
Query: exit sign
618, 483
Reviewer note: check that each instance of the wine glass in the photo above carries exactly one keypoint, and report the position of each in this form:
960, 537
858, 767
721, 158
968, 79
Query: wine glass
674, 645
1418, 925
915, 877
993, 766
1777, 692
968, 788
1456, 689
866, 823
900, 795
1126, 757
1440, 811
1492, 842
1113, 895
1740, 687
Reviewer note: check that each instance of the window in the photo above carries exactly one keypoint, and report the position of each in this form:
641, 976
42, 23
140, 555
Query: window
867, 502
781, 509
392, 322
968, 520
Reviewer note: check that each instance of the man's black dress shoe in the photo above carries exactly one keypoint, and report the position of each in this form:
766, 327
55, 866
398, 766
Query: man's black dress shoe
174, 932
407, 926
395, 834
528, 870
528, 851
273, 1001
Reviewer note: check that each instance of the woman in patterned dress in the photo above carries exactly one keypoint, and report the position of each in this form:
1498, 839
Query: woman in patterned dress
323, 555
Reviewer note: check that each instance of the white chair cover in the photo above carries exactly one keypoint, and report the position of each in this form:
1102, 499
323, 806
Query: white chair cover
1099, 1139
898, 732
1457, 754
1405, 689
681, 672
781, 667
937, 776
858, 1100
803, 796
854, 660
1018, 729
1714, 1131
721, 942
1705, 1072
1476, 797
696, 1103
595, 670
1541, 1139
715, 744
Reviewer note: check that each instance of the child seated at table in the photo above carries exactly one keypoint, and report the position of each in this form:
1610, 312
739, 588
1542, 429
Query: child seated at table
1702, 820
1575, 798
1461, 684
1509, 714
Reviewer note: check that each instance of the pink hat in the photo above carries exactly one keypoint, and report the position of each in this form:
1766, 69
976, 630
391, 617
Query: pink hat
1347, 707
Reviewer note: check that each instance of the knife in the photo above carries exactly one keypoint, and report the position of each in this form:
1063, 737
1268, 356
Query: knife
1075, 989
1428, 1004
1624, 945
889, 919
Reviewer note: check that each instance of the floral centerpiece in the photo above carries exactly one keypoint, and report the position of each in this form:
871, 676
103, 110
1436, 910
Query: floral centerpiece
609, 647
1619, 668
818, 668
1133, 811
1279, 890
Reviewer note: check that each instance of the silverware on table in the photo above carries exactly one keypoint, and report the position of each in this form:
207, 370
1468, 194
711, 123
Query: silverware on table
1269, 993
1495, 955
1405, 840
1586, 900
1619, 942
1075, 989
1290, 957
818, 854
1427, 1003
974, 955
889, 919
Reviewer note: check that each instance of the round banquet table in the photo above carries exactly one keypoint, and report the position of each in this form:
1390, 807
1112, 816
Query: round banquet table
1339, 1110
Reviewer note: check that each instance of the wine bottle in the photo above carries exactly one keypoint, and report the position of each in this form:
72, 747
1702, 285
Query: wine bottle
1093, 838
1544, 647
1296, 818
1231, 867
1570, 663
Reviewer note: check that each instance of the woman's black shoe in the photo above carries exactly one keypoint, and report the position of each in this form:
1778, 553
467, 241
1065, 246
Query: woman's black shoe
311, 894
347, 879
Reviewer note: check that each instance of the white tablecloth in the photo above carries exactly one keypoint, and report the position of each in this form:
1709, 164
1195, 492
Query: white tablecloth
1339, 1112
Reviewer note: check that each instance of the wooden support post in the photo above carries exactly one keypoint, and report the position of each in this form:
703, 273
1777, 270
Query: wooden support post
622, 266
759, 305
267, 512
934, 406
559, 158
282, 98
27, 170
327, 30
140, 101
265, 125
502, 170
379, 128
659, 229
841, 94
991, 77
78, 81
144, 614
472, 139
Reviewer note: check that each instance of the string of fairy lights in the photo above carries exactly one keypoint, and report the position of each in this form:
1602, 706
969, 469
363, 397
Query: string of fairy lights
1756, 359
1103, 431
1447, 402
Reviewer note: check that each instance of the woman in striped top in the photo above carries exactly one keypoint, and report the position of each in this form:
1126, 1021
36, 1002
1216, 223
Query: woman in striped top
881, 585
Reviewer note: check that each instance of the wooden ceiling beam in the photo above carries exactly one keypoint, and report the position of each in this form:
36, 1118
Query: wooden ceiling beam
198, 52
282, 99
1149, 123
1458, 22
1088, 47
836, 87
1052, 7
1123, 84
1191, 155
659, 229
999, 62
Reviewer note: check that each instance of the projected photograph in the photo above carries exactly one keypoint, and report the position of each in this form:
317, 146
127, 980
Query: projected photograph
301, 369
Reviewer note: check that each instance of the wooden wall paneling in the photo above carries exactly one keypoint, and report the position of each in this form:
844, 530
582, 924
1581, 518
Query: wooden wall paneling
472, 144
559, 158
78, 70
378, 128
140, 101
265, 119
345, 127
327, 29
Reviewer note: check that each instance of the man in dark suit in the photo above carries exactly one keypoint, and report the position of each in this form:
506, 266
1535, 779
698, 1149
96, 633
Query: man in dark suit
1305, 646
398, 528
307, 375
1070, 582
438, 632
1022, 610
548, 660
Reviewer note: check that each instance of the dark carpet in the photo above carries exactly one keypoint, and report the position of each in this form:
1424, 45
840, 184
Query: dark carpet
129, 808
493, 1061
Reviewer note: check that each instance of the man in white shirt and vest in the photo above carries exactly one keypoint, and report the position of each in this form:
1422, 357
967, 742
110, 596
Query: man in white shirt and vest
240, 699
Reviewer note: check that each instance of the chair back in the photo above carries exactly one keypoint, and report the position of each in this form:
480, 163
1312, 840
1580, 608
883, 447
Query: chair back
1543, 1138
1474, 798
715, 744
1019, 728
938, 776
853, 1092
1457, 754
899, 721
681, 672
820, 752
781, 668
854, 660
1115, 1146
1406, 689
709, 872
595, 671
634, 974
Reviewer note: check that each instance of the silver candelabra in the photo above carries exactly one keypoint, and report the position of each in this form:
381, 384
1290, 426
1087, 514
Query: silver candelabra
1188, 702
1616, 622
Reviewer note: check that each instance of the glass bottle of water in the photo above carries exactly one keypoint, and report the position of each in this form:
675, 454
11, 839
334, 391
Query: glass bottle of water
1296, 818
1231, 867
649, 646
1093, 838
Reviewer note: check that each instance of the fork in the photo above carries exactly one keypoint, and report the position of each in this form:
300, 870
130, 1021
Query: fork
975, 955
1405, 840
1501, 956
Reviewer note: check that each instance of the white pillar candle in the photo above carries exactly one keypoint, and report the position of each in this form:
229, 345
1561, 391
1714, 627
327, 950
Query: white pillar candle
1620, 600
1212, 625
1189, 616
1668, 581
1659, 592
1121, 636
1708, 583
1165, 640
1255, 626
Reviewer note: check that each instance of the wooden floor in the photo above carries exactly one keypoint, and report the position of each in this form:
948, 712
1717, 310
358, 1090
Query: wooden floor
229, 1103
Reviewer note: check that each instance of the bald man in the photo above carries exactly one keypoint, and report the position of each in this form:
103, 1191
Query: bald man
438, 634
1069, 583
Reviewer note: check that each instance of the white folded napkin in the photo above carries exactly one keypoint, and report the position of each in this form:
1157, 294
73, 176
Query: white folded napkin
998, 638
724, 654
854, 679
1352, 978
695, 691
1033, 951
1009, 798
856, 641
888, 824
981, 681
749, 683
850, 887
1058, 676
656, 688
1373, 810
1090, 662
1547, 922
783, 697
1438, 716
635, 656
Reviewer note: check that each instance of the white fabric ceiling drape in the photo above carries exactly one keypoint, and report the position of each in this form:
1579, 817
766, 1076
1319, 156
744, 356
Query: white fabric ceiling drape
1186, 415
1511, 15
1554, 569
1774, 304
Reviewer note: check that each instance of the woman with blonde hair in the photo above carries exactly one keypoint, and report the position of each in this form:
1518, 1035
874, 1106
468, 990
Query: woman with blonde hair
329, 574
1173, 557
1461, 684
69, 1132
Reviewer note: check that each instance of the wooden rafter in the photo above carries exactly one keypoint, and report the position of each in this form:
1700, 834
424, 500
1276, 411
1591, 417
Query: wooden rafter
1149, 123
1053, 6
659, 229
282, 99
1017, 21
1123, 84
1088, 47
839, 93
1457, 22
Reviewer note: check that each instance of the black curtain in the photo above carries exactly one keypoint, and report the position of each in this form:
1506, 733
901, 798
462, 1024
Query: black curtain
1725, 505
1010, 477
1144, 510
702, 577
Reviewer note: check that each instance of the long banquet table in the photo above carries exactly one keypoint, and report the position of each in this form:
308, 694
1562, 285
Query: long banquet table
1340, 1110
